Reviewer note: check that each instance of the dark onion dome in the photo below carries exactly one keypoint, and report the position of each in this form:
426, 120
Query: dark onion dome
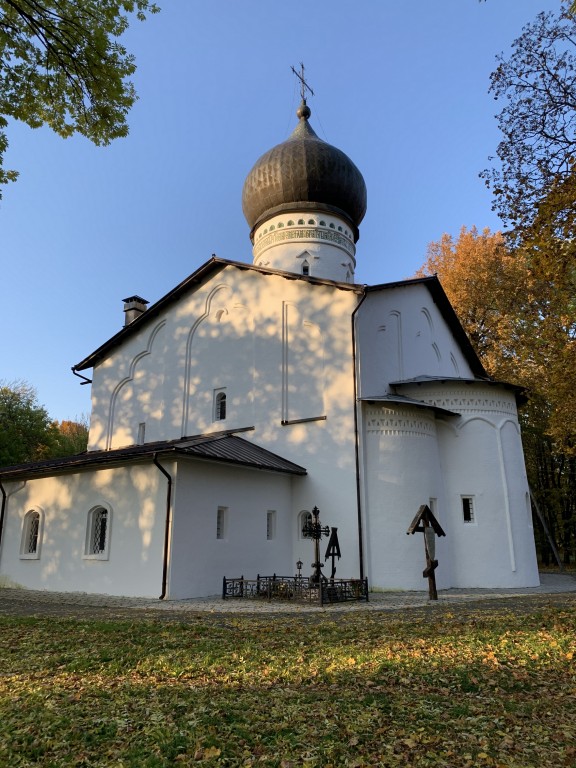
304, 173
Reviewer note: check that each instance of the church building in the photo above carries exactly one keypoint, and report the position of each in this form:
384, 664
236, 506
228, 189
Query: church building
253, 392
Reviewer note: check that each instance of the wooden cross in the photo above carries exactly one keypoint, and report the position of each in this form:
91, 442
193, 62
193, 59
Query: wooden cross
303, 84
426, 523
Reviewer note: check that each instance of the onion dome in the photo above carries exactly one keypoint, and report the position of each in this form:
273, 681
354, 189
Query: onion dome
304, 173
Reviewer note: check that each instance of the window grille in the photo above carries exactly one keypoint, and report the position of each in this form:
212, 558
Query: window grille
468, 509
33, 531
98, 533
31, 535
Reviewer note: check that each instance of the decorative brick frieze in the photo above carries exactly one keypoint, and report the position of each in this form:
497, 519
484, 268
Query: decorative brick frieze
401, 423
299, 233
468, 402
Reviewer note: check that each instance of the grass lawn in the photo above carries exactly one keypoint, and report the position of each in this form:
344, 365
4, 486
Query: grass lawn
494, 688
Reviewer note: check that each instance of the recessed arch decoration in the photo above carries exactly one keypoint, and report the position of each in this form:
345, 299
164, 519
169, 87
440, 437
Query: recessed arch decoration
128, 380
217, 291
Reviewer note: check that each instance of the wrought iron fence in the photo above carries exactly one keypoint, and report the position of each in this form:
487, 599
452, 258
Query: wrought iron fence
301, 588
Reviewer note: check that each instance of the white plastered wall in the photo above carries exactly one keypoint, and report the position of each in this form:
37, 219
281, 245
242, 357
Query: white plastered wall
402, 335
281, 349
402, 472
199, 560
481, 457
135, 497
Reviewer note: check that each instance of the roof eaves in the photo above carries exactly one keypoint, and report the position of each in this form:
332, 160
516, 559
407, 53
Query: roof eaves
402, 400
191, 447
212, 266
209, 268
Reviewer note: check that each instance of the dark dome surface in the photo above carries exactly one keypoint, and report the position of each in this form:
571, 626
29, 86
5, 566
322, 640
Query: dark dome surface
301, 173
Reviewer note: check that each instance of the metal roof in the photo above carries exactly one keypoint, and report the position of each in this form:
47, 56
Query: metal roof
227, 448
519, 392
402, 400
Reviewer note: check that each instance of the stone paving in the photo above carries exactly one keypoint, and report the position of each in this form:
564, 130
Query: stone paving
31, 602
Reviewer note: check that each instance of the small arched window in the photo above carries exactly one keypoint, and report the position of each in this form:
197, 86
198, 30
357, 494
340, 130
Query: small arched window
98, 533
305, 268
220, 406
31, 535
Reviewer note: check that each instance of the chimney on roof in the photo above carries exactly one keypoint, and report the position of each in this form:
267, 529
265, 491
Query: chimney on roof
134, 306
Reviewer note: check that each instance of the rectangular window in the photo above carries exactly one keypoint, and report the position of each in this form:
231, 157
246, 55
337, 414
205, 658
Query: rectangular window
271, 524
468, 509
221, 521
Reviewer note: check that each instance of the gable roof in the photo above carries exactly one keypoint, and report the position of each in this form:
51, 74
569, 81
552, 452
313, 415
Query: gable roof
434, 287
208, 270
227, 448
215, 265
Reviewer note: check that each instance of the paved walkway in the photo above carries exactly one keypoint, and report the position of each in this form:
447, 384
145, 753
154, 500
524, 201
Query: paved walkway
33, 602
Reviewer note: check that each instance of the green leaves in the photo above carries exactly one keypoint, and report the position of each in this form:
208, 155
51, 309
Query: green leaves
360, 689
62, 65
27, 432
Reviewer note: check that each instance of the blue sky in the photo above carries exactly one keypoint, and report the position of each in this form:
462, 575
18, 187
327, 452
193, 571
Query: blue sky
401, 87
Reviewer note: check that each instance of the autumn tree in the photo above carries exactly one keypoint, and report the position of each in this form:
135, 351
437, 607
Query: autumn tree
62, 65
72, 437
484, 282
518, 307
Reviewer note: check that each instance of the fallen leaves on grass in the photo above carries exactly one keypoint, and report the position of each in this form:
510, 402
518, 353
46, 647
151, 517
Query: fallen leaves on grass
367, 690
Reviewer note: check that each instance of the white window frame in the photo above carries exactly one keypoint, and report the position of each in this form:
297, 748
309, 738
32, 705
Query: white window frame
34, 514
468, 500
221, 523
271, 524
92, 521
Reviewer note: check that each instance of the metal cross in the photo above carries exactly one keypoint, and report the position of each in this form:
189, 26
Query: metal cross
303, 84
313, 528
